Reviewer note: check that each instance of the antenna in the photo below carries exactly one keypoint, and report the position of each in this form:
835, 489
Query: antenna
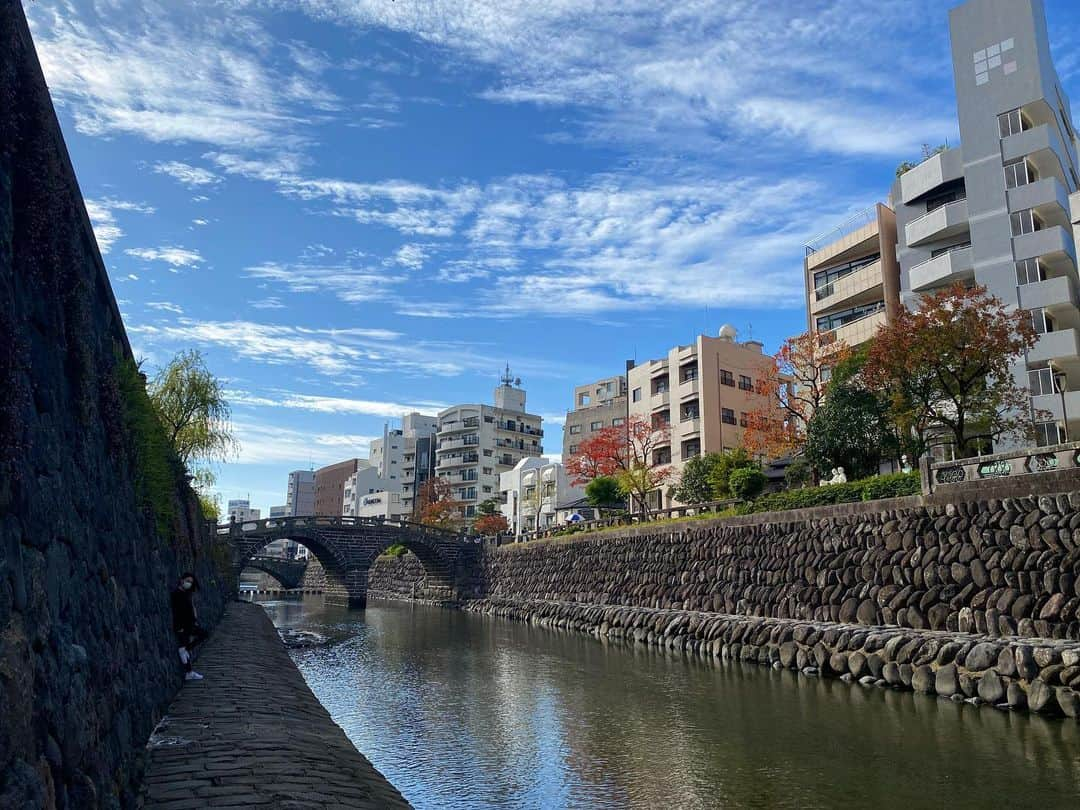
507, 378
749, 331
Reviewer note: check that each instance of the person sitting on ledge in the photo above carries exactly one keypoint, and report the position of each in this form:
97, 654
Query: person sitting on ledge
185, 622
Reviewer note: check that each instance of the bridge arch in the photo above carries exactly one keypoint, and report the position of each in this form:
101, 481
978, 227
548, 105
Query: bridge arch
346, 547
288, 573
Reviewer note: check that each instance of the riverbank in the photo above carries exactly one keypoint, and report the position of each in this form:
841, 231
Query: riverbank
252, 734
1010, 673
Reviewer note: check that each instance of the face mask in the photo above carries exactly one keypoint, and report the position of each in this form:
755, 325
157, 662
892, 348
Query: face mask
186, 584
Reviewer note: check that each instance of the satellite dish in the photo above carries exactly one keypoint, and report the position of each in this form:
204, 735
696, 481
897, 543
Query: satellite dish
728, 332
517, 381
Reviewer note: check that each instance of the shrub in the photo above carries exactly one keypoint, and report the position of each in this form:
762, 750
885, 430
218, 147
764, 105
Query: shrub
746, 483
896, 485
868, 489
725, 465
603, 491
395, 550
799, 473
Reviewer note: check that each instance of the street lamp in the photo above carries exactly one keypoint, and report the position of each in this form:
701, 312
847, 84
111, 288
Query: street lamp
1060, 380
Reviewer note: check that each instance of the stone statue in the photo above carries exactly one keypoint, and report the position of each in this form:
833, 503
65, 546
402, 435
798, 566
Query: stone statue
905, 465
839, 477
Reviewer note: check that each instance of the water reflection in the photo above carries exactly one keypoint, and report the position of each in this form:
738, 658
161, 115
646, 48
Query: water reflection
464, 711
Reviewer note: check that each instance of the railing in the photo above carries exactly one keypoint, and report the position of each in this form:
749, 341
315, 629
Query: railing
1012, 464
621, 520
286, 524
853, 223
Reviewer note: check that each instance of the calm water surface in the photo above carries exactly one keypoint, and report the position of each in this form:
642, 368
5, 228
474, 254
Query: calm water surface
465, 711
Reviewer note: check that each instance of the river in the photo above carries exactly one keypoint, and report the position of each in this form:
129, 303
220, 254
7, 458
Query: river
466, 711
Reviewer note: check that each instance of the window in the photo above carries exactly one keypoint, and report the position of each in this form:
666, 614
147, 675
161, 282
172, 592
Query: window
1048, 433
941, 251
726, 377
691, 448
688, 373
824, 279
661, 419
744, 420
1020, 173
1042, 322
828, 322
954, 192
487, 452
636, 396
573, 449
583, 400
487, 489
618, 421
662, 456
689, 411
745, 383
1026, 221
727, 416
659, 385
1041, 381
489, 470
1012, 122
575, 429
1029, 271
596, 425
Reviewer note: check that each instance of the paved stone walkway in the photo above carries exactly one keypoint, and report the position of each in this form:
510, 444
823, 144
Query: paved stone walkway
253, 734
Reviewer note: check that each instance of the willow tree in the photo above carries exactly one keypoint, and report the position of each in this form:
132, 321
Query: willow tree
191, 405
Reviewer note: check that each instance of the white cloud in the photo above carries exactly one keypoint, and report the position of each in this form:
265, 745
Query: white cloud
270, 302
165, 306
200, 222
349, 283
102, 213
169, 254
264, 443
411, 256
340, 406
186, 174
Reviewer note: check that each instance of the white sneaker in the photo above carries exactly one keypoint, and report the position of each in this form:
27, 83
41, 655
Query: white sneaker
184, 657
193, 676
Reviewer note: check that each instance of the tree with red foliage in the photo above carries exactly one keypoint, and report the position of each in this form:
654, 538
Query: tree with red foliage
437, 505
491, 525
947, 368
626, 453
794, 388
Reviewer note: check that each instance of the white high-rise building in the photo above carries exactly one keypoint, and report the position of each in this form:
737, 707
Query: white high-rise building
240, 510
300, 500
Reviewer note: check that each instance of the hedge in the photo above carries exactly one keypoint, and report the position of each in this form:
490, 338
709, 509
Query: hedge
895, 485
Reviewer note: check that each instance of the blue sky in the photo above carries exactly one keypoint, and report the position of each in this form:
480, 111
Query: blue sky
356, 208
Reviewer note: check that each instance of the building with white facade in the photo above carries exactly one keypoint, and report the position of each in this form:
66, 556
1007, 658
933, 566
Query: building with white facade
383, 504
477, 443
300, 499
240, 510
279, 511
532, 493
360, 484
418, 456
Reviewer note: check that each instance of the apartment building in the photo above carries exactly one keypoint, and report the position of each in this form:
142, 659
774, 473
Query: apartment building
240, 510
330, 486
387, 454
703, 393
476, 443
596, 406
852, 277
533, 492
418, 457
996, 210
300, 498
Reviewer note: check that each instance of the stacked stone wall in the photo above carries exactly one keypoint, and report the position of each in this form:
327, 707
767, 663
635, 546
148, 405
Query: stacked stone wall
87, 656
1003, 567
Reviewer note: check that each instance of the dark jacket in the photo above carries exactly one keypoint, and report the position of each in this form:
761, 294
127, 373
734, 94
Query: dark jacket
183, 610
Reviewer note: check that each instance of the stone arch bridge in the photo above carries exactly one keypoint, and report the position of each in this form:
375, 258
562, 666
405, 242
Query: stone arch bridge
290, 573
347, 546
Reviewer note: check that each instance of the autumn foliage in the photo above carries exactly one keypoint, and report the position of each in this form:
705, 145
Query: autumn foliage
946, 368
794, 389
491, 525
626, 453
437, 504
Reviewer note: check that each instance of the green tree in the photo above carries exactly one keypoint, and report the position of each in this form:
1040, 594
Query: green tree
799, 473
746, 483
730, 460
851, 428
487, 507
603, 491
695, 485
192, 407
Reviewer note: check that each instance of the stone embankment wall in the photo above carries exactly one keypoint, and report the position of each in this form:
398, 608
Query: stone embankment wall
87, 657
400, 577
1001, 567
1038, 674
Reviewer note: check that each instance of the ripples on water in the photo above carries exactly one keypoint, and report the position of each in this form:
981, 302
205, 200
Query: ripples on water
466, 711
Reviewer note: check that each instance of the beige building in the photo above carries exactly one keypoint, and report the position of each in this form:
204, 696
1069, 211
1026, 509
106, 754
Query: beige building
476, 443
596, 406
853, 278
704, 393
330, 485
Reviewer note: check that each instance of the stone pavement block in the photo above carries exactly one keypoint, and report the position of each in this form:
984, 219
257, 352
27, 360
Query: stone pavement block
252, 734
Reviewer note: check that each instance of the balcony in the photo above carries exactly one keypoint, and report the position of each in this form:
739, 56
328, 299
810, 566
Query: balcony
931, 173
1051, 293
864, 283
458, 426
457, 461
1043, 195
688, 388
1031, 141
454, 444
955, 265
1051, 403
690, 426
860, 331
661, 399
941, 223
1047, 244
1060, 345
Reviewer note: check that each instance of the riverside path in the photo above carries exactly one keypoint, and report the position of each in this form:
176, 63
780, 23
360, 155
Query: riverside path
252, 734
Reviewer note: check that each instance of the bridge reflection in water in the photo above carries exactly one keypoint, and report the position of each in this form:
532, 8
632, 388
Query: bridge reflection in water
461, 710
347, 546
